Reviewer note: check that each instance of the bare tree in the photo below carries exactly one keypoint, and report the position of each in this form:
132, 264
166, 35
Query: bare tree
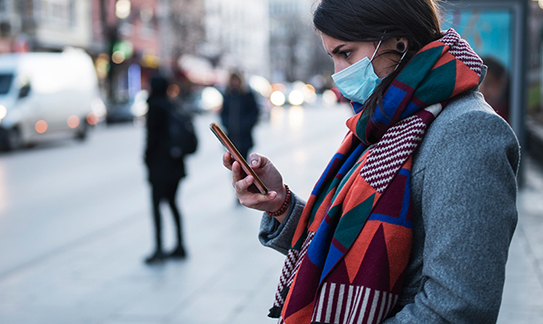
185, 24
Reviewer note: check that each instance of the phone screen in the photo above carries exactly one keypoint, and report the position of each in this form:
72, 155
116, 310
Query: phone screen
229, 146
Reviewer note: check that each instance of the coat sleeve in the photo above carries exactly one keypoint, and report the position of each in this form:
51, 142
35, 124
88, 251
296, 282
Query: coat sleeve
279, 236
469, 216
225, 110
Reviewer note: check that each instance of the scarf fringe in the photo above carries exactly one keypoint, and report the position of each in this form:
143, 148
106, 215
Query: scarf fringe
275, 311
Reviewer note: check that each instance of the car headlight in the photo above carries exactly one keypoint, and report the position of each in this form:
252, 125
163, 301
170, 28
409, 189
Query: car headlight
3, 112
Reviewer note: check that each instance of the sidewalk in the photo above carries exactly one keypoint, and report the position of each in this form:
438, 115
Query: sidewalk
523, 292
228, 277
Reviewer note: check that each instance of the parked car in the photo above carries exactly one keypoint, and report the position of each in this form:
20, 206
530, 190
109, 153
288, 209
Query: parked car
42, 94
119, 112
203, 100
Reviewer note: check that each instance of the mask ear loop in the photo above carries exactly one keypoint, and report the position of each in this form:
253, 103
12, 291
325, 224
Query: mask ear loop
400, 61
376, 49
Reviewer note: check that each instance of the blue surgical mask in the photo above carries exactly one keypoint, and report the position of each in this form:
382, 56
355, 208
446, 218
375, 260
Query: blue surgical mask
358, 81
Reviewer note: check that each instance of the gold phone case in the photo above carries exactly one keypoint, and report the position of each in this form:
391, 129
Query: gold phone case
229, 146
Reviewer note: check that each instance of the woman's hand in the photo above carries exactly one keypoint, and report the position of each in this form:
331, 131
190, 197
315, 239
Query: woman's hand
267, 172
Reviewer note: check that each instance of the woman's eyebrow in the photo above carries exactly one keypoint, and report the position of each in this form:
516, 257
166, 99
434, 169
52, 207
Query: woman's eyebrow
336, 50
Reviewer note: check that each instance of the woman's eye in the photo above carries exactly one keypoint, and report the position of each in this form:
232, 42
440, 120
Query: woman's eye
346, 54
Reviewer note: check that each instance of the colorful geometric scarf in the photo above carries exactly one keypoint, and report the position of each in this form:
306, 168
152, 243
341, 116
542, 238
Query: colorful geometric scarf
351, 247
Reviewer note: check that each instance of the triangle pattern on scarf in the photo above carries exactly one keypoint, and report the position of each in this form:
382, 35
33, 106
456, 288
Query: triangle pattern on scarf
375, 262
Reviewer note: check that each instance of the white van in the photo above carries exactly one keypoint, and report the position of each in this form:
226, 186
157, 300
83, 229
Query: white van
44, 94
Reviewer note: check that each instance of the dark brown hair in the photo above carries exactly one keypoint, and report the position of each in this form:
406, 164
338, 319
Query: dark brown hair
374, 20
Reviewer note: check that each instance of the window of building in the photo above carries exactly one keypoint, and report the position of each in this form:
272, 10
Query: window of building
146, 15
58, 13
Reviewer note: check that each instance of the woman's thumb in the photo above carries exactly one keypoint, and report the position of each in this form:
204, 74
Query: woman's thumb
255, 160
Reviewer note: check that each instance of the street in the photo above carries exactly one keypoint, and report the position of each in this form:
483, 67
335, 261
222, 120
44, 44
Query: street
75, 225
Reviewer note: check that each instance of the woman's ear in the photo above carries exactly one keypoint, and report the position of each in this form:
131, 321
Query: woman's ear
401, 45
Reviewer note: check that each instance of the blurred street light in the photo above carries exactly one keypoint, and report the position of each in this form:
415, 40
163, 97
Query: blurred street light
211, 98
73, 121
296, 98
102, 65
329, 97
3, 112
41, 126
122, 9
118, 57
260, 85
173, 90
277, 98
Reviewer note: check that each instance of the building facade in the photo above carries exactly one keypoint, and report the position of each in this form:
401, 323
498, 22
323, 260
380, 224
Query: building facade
237, 35
44, 25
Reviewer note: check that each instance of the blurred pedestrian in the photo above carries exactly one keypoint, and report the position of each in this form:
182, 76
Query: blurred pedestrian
164, 171
239, 113
412, 219
495, 87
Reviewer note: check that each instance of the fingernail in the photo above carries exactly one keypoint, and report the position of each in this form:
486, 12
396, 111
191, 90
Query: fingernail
254, 162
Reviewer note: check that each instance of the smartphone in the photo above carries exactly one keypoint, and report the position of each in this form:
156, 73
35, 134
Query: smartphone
229, 146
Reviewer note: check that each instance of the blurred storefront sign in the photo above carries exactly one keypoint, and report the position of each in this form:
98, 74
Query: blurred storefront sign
150, 59
134, 80
21, 44
200, 70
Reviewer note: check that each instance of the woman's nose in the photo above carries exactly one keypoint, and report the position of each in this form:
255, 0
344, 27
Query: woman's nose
338, 66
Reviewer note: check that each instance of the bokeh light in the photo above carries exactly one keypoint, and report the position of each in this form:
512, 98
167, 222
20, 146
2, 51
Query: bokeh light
329, 97
211, 98
260, 85
296, 98
73, 121
3, 112
102, 66
279, 87
41, 126
310, 95
122, 9
277, 98
173, 90
92, 119
118, 57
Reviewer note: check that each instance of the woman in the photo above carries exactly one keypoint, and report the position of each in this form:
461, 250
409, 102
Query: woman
239, 114
412, 219
165, 172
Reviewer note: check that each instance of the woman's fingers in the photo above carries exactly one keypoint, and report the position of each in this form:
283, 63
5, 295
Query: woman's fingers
227, 160
246, 190
239, 180
237, 172
257, 200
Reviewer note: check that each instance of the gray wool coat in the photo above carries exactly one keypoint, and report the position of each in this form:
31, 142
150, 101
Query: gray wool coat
464, 198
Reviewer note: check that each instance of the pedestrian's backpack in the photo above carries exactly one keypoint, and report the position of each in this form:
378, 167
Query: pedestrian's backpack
183, 140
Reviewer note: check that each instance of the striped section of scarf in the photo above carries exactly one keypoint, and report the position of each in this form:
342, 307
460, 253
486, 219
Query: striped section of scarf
335, 300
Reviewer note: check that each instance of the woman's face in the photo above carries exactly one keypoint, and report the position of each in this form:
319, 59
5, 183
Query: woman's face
346, 54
